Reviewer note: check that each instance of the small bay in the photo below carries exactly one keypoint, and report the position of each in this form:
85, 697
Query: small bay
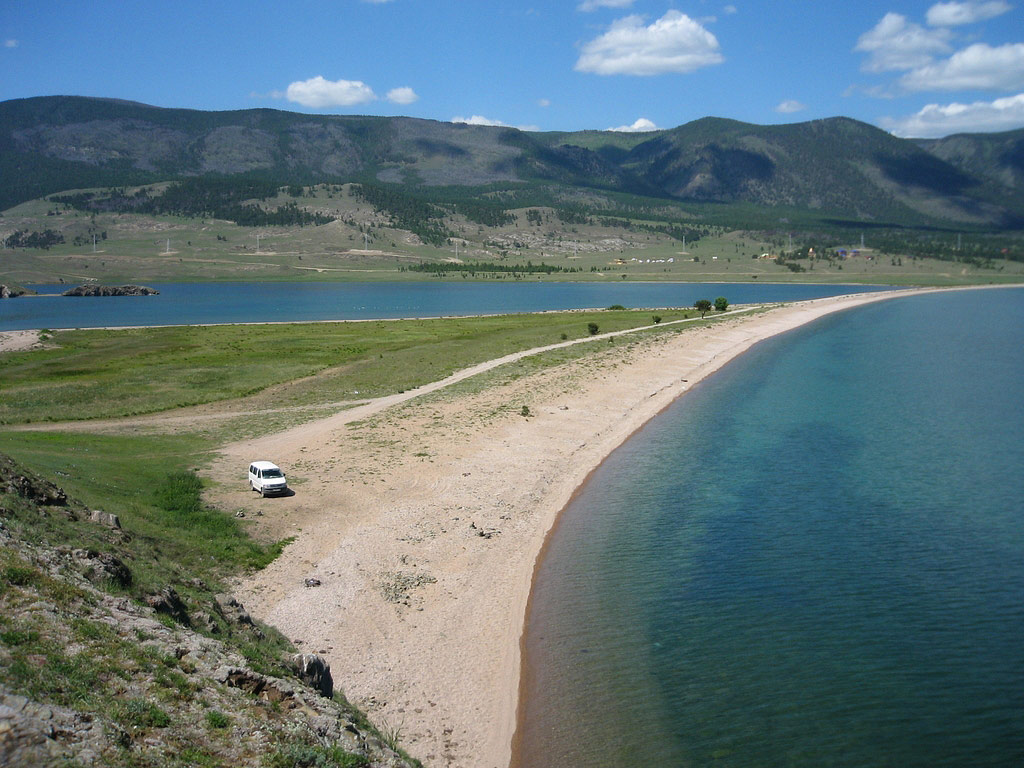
201, 303
815, 558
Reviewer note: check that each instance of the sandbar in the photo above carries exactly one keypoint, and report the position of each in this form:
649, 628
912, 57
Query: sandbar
422, 517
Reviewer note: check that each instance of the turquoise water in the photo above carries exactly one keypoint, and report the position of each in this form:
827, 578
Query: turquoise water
195, 303
815, 558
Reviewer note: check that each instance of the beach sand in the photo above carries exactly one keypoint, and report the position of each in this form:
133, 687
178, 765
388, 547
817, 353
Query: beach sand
423, 518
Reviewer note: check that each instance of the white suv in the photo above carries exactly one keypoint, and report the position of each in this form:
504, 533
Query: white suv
267, 478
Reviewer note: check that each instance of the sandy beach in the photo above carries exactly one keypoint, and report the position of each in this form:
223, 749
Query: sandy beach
422, 517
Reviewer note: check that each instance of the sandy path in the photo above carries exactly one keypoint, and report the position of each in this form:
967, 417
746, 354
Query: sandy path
423, 514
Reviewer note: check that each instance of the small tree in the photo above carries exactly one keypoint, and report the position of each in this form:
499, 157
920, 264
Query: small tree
702, 306
721, 304
656, 319
592, 327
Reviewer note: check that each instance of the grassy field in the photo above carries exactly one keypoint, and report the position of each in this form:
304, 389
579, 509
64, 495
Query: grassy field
101, 374
360, 246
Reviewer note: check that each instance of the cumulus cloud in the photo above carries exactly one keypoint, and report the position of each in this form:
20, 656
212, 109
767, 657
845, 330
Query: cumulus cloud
318, 92
898, 44
592, 5
955, 14
640, 126
673, 43
403, 95
10, 43
479, 120
936, 120
789, 106
543, 102
977, 67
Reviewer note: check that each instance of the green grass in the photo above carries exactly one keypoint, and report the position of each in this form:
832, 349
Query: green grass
148, 482
96, 374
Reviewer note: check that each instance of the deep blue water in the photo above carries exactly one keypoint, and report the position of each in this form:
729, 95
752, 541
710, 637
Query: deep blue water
195, 303
815, 558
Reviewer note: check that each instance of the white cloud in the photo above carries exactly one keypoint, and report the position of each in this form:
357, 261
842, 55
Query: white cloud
955, 14
673, 43
592, 5
318, 92
403, 95
640, 126
937, 120
729, 10
543, 102
479, 120
897, 44
10, 43
789, 106
977, 67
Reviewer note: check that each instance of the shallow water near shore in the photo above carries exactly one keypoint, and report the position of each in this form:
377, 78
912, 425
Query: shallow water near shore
199, 303
816, 558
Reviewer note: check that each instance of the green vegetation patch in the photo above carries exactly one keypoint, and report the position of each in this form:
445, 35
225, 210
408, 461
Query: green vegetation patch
149, 483
97, 374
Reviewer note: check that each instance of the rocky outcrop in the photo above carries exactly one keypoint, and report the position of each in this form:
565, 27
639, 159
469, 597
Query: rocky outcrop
314, 672
91, 674
111, 290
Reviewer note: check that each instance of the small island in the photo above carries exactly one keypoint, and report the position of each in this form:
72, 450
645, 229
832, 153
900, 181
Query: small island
111, 290
13, 291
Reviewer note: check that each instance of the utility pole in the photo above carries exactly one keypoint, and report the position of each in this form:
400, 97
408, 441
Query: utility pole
257, 242
366, 241
167, 249
94, 242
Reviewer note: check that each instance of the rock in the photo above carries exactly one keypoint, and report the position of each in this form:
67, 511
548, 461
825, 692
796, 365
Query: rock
234, 613
29, 486
110, 290
312, 582
108, 519
100, 567
314, 672
168, 602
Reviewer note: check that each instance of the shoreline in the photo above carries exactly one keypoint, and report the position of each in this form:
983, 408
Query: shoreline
426, 521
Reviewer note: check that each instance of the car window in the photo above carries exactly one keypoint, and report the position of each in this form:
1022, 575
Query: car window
273, 473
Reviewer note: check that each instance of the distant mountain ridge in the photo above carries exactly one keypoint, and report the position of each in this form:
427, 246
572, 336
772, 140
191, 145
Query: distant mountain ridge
836, 165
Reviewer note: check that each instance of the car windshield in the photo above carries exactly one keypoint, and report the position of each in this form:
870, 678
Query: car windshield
273, 473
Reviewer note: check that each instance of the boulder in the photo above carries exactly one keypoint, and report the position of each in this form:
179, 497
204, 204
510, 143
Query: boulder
100, 567
108, 519
168, 602
315, 672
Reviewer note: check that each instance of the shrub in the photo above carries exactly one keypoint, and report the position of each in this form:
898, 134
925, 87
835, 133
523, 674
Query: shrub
656, 319
592, 327
721, 304
216, 719
616, 306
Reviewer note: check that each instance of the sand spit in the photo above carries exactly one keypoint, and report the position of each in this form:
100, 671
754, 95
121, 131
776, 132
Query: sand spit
422, 518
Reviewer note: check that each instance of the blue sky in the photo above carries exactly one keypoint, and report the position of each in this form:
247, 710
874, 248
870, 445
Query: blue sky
914, 68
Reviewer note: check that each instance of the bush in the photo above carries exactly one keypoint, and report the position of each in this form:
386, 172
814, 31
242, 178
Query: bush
592, 327
216, 719
616, 306
721, 304
656, 319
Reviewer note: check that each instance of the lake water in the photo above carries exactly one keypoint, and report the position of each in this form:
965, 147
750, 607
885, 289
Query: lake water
815, 558
195, 303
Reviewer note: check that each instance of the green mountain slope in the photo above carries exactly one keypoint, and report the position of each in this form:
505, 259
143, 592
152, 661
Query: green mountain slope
840, 167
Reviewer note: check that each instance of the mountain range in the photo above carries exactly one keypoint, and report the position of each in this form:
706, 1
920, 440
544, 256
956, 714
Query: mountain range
836, 166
